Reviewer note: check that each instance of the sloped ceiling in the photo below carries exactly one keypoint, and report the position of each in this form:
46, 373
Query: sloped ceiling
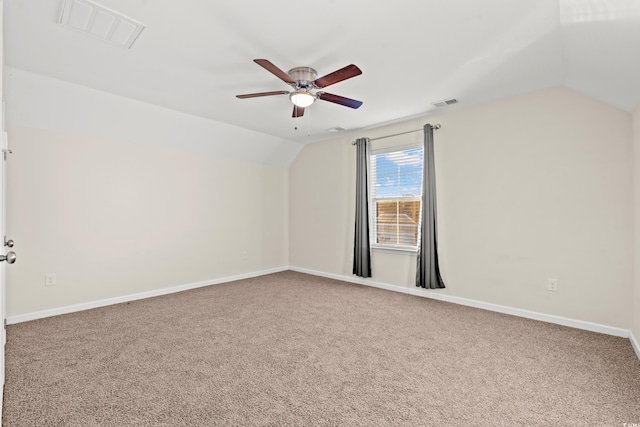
195, 55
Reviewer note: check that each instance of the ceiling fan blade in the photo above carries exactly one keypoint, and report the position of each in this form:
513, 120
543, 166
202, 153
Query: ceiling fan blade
337, 99
255, 95
297, 111
267, 65
337, 76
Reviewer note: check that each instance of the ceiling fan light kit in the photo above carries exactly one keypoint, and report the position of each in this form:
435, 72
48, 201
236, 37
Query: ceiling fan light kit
302, 98
303, 80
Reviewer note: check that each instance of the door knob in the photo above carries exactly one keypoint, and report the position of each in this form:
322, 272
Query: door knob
8, 243
10, 257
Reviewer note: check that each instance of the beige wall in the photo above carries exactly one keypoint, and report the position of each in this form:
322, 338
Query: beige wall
635, 327
114, 217
530, 188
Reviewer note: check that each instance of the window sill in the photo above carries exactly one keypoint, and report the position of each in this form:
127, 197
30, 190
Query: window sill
394, 250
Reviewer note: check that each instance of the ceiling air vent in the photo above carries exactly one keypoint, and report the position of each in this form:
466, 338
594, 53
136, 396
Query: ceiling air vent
98, 21
444, 103
337, 129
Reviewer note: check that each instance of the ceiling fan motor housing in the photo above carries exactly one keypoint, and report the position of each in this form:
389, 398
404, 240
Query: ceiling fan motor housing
304, 76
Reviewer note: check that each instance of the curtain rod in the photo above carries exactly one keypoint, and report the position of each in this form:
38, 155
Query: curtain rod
435, 127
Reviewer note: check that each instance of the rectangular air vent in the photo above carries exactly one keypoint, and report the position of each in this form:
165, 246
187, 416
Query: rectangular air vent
337, 129
95, 20
444, 103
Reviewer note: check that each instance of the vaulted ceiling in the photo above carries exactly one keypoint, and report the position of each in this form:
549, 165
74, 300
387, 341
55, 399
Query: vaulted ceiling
194, 56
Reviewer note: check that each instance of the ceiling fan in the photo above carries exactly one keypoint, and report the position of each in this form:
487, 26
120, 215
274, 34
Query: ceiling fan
303, 80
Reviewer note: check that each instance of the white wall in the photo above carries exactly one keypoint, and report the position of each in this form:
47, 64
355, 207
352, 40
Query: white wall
635, 327
119, 197
529, 188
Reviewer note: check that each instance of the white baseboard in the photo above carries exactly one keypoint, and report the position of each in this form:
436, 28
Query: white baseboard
132, 297
435, 294
635, 344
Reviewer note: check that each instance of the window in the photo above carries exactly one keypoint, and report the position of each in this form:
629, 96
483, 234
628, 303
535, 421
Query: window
396, 195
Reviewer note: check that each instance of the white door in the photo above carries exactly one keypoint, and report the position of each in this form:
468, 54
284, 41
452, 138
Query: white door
3, 257
3, 337
3, 144
6, 255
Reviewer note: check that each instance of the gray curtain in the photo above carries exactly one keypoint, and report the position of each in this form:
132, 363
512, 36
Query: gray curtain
361, 249
428, 270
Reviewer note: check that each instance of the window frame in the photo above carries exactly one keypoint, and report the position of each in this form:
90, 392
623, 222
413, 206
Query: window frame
373, 229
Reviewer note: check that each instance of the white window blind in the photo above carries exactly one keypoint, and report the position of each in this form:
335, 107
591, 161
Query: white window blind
396, 195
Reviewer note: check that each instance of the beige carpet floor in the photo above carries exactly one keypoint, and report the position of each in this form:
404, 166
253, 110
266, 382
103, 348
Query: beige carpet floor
293, 349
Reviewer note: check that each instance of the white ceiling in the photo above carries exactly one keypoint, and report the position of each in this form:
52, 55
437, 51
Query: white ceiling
196, 55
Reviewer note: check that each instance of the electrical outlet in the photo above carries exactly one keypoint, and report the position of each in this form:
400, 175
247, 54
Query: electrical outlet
50, 279
552, 285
